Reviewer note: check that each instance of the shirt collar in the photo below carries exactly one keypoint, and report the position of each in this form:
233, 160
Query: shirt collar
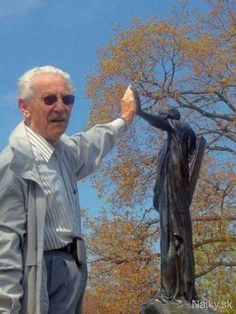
41, 148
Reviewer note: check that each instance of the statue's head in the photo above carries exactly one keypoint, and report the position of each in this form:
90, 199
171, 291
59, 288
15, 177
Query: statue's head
170, 113
174, 114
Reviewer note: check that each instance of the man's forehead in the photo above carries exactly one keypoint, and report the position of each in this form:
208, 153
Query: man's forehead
45, 77
47, 80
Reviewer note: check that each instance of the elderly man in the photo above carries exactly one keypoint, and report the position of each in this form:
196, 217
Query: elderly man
42, 255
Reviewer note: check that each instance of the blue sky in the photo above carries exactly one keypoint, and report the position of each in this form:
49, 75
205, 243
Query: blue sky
66, 34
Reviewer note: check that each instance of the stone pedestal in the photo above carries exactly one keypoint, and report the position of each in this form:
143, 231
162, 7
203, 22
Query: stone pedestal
155, 306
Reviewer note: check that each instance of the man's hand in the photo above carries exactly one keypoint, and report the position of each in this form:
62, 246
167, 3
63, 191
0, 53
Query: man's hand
128, 105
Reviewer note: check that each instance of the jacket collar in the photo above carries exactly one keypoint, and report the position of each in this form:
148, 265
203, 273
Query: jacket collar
22, 163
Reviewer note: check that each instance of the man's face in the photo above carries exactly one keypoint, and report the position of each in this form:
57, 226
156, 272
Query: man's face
48, 120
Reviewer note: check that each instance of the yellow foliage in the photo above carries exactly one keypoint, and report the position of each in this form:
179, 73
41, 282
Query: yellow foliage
192, 67
121, 250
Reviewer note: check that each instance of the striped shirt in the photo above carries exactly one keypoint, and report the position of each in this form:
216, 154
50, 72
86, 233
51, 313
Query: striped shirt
62, 220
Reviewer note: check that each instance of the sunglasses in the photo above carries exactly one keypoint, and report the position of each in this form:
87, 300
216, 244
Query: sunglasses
52, 99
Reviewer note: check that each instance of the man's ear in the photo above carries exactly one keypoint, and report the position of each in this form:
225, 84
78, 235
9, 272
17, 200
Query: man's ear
24, 107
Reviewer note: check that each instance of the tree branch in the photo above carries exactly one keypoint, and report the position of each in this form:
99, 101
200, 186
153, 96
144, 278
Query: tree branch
221, 148
213, 218
214, 266
213, 240
186, 103
225, 100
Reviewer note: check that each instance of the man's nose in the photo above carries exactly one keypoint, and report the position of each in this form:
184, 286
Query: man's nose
59, 105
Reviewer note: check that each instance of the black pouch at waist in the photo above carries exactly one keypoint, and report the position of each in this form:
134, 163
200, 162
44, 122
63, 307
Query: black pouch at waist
79, 253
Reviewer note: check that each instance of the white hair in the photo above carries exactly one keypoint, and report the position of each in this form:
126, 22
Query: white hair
26, 80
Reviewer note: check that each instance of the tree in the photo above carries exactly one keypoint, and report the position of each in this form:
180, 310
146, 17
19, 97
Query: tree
191, 66
187, 62
214, 236
123, 263
124, 250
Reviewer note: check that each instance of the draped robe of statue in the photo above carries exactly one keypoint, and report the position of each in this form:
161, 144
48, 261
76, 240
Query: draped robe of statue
172, 201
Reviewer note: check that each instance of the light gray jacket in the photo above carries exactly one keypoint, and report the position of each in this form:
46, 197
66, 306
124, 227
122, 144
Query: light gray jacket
22, 212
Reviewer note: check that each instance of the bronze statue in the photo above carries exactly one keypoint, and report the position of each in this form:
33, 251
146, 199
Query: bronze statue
172, 197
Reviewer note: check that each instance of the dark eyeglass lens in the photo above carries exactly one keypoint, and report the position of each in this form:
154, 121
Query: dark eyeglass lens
50, 99
68, 99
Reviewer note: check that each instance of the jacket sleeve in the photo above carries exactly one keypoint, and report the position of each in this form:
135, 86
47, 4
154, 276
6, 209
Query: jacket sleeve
94, 144
12, 229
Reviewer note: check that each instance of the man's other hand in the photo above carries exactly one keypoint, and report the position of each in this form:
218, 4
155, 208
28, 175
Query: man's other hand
128, 105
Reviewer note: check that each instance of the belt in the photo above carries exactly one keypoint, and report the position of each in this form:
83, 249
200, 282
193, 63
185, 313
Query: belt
69, 248
76, 248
